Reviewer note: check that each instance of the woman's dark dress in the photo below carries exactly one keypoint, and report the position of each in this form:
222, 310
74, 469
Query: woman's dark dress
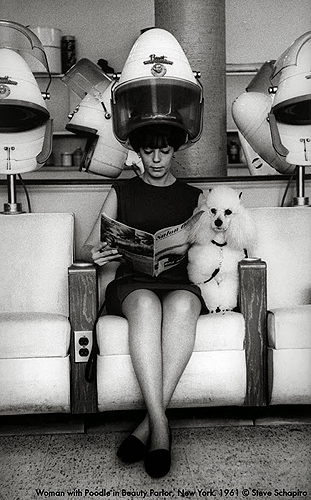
150, 208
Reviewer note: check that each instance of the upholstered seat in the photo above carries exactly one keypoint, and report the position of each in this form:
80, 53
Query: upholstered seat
36, 251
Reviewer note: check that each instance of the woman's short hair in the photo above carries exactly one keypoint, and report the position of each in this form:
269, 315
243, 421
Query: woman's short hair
157, 136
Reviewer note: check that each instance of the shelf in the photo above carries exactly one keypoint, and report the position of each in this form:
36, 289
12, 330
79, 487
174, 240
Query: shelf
243, 69
64, 133
237, 165
61, 168
46, 75
231, 69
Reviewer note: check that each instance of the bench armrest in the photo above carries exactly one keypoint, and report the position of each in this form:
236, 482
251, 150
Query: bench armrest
83, 305
253, 306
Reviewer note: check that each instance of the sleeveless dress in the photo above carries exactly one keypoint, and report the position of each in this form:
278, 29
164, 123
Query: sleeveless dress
150, 208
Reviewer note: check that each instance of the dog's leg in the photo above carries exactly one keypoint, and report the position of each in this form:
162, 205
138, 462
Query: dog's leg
228, 294
211, 295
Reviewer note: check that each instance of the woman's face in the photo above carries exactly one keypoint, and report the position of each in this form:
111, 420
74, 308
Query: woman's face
157, 161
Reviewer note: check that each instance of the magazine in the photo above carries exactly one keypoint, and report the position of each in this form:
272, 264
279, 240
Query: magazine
149, 253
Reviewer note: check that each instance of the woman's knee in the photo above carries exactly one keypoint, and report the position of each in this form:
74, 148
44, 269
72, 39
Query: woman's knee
183, 303
141, 302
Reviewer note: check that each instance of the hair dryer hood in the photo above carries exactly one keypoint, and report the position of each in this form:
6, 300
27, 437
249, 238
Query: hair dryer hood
250, 112
103, 154
157, 86
292, 76
276, 121
21, 103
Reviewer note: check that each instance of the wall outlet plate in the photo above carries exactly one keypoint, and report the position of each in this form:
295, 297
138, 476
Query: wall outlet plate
83, 341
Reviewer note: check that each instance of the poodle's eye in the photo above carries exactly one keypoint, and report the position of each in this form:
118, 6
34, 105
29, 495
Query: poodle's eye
228, 212
213, 211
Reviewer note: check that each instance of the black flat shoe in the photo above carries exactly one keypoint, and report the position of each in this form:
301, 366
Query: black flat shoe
131, 450
158, 462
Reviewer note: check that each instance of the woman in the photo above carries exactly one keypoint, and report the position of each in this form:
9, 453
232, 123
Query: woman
162, 312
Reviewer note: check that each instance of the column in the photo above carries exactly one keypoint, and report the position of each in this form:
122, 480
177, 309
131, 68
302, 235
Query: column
199, 27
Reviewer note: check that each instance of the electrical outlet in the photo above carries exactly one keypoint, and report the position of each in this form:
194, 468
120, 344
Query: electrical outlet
83, 342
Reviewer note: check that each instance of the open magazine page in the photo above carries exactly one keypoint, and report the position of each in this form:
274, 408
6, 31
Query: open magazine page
135, 245
149, 254
172, 244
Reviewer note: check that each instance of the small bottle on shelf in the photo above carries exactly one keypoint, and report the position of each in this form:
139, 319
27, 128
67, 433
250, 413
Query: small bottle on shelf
233, 152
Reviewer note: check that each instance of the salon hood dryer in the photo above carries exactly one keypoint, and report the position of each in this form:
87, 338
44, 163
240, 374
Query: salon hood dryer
91, 119
274, 114
157, 86
25, 125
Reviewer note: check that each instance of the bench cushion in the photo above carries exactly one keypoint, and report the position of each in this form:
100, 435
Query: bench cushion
284, 241
34, 335
290, 327
36, 251
35, 385
289, 376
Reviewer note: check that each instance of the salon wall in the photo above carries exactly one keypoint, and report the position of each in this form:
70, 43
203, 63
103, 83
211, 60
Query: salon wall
260, 30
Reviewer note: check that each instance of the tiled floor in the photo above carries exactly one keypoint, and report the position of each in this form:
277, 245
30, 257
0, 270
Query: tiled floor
226, 456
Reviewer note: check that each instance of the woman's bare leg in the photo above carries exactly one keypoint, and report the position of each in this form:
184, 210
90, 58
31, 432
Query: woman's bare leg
143, 311
181, 310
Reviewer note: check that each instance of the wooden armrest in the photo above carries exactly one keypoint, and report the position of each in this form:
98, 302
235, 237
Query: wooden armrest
83, 306
253, 306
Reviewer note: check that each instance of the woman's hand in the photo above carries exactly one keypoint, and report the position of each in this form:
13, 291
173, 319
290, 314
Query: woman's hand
102, 254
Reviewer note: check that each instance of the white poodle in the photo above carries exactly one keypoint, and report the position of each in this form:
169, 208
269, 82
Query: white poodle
224, 235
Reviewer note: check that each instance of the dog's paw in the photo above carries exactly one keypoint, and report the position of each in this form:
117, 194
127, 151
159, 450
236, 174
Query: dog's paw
216, 311
220, 310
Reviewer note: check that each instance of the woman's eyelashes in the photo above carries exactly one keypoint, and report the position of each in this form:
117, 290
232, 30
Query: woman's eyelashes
164, 151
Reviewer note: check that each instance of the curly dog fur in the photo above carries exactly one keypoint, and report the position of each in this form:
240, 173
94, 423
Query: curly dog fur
224, 235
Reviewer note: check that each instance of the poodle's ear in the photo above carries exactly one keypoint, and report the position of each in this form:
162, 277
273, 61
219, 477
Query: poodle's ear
240, 195
201, 201
242, 230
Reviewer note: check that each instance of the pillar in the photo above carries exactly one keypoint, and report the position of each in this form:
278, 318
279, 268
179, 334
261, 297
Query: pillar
199, 27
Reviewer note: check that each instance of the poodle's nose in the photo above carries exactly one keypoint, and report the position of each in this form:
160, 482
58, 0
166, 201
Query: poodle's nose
218, 222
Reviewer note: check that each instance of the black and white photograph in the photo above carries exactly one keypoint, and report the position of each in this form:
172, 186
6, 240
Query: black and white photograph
155, 236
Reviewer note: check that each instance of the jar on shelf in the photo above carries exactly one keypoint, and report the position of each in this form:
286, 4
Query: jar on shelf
66, 159
68, 52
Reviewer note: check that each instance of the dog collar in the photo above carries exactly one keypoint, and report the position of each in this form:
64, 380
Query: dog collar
219, 244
